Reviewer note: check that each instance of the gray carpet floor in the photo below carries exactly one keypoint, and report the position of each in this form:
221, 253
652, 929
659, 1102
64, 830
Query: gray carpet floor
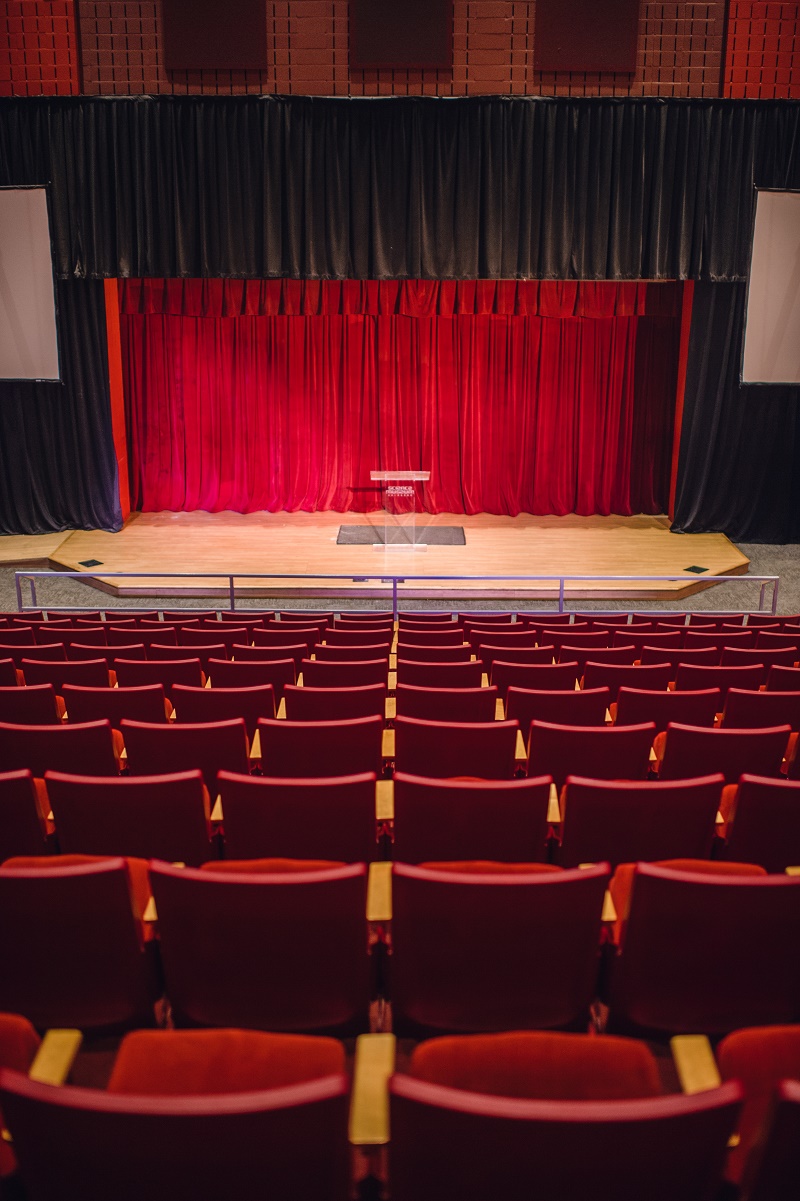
741, 593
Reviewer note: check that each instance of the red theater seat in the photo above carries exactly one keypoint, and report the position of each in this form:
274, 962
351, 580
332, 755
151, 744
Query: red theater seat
264, 950
321, 748
327, 704
587, 707
537, 677
8, 673
197, 705
654, 677
32, 706
704, 950
91, 673
317, 674
764, 823
501, 950
23, 828
75, 954
352, 654
501, 820
239, 674
489, 654
167, 1147
635, 705
691, 678
687, 751
19, 1043
624, 821
86, 748
413, 652
145, 703
208, 746
753, 710
329, 817
439, 675
133, 673
597, 752
446, 704
148, 817
270, 654
438, 748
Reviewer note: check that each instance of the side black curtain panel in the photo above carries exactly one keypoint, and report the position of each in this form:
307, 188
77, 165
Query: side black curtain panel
58, 469
739, 465
401, 187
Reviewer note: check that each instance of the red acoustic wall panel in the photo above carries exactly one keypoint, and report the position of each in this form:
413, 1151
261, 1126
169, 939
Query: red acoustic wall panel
416, 33
580, 35
762, 60
209, 35
39, 48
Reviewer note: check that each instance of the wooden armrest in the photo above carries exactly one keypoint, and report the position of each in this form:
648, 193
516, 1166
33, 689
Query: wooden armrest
379, 893
484, 679
384, 801
387, 744
300, 679
390, 708
553, 807
793, 871
653, 756
608, 717
392, 661
150, 914
694, 1062
609, 913
520, 753
123, 755
719, 820
216, 812
281, 713
391, 681
499, 710
255, 747
55, 1056
369, 1101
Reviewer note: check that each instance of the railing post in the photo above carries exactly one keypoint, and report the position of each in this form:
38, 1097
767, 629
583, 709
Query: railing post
561, 594
231, 593
32, 583
17, 585
775, 586
761, 595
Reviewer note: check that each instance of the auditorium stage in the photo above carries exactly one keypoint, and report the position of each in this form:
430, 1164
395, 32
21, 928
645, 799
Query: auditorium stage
305, 544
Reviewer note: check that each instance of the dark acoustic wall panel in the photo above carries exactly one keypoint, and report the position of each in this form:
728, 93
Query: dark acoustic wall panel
416, 33
582, 35
209, 34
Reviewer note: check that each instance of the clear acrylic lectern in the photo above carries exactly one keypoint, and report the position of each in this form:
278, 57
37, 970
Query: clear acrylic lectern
400, 521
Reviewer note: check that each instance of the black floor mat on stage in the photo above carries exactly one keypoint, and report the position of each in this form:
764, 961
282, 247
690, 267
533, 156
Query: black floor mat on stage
368, 535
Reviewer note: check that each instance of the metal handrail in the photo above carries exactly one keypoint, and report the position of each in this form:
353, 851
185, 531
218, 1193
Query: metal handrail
383, 578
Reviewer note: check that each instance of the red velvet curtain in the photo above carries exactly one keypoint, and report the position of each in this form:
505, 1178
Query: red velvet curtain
284, 395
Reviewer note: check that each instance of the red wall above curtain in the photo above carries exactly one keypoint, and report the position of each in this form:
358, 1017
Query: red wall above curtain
524, 396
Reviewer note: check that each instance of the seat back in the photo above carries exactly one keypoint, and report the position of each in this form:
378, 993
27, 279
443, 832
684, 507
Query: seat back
706, 657
569, 636
769, 641
73, 955
719, 638
621, 655
414, 652
536, 677
509, 636
132, 673
31, 706
734, 656
439, 675
210, 747
628, 820
500, 951
267, 654
597, 752
636, 705
170, 1145
334, 636
660, 638
87, 748
283, 951
707, 953
440, 749
331, 817
451, 1143
751, 710
321, 748
766, 824
147, 817
225, 634
22, 827
692, 751
291, 635
321, 704
240, 674
446, 704
145, 703
159, 633
317, 674
8, 673
135, 650
92, 673
783, 679
172, 654
503, 820
691, 678
587, 707
488, 654
654, 677
196, 705
352, 654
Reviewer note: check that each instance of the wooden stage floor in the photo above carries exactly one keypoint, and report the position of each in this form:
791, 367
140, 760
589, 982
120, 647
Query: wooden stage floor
305, 544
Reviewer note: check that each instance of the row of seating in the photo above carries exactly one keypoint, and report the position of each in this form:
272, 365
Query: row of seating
689, 946
514, 1115
411, 818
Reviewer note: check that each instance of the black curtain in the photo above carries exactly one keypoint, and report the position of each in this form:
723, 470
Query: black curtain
401, 187
58, 469
739, 465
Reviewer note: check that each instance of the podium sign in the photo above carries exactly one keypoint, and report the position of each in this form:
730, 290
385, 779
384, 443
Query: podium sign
399, 521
